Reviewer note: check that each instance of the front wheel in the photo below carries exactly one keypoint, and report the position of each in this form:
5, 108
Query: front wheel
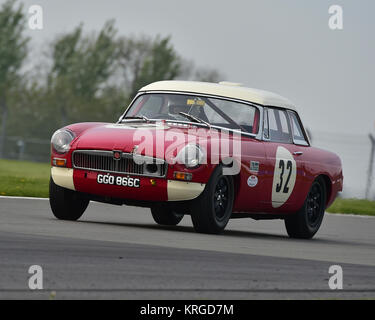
66, 204
306, 222
211, 211
164, 214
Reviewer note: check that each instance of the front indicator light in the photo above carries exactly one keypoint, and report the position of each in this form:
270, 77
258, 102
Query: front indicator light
153, 182
59, 162
183, 176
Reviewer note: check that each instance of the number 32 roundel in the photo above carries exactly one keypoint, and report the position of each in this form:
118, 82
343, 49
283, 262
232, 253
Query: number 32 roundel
284, 177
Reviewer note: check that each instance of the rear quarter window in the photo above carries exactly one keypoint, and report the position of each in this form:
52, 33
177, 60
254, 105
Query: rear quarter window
279, 128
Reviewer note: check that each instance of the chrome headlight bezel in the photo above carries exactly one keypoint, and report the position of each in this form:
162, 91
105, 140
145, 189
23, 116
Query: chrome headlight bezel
61, 140
191, 155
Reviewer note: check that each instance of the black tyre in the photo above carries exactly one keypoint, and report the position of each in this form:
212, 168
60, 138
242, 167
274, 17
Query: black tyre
164, 214
211, 211
306, 222
66, 204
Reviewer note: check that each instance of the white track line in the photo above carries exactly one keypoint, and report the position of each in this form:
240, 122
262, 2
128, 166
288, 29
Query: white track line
350, 215
25, 198
331, 214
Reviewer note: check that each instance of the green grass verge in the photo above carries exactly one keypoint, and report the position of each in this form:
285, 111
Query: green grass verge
353, 206
30, 179
24, 179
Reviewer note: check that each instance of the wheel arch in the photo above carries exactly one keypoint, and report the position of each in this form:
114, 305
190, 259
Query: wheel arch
236, 177
328, 184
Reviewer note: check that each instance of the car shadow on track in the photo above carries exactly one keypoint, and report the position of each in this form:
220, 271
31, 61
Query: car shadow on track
228, 232
317, 240
187, 229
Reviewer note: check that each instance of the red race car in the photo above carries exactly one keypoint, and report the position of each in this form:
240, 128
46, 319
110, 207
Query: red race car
211, 151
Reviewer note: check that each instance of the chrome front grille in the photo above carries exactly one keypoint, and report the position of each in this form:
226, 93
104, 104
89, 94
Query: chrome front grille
101, 160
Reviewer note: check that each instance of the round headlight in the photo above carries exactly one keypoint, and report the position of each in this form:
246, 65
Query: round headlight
61, 140
191, 156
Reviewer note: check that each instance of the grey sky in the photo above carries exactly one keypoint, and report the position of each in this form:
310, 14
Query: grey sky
283, 46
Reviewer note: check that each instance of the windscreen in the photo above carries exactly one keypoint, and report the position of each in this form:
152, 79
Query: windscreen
180, 107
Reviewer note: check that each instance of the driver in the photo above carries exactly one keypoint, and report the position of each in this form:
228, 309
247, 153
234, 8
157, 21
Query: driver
175, 109
176, 106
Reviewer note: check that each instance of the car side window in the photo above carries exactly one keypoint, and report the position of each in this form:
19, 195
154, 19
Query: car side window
298, 136
279, 127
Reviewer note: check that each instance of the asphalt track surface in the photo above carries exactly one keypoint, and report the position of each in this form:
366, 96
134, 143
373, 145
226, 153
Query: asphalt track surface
120, 253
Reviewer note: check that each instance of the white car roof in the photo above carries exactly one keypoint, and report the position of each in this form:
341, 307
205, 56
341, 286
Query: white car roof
223, 89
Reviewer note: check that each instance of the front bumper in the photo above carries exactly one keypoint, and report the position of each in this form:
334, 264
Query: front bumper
161, 190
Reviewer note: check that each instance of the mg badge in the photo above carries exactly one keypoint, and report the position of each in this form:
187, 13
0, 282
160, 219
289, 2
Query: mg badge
116, 155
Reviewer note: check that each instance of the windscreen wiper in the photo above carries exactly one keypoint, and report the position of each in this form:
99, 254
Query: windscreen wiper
142, 117
194, 118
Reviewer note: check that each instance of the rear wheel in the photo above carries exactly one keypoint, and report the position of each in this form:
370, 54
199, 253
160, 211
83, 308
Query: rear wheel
164, 214
211, 211
307, 221
66, 204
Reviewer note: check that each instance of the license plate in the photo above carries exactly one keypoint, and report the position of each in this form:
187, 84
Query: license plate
118, 181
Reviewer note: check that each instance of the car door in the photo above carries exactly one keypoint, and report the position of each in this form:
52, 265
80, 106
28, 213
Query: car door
250, 182
284, 167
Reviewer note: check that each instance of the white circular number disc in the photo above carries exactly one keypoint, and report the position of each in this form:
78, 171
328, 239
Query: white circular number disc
284, 177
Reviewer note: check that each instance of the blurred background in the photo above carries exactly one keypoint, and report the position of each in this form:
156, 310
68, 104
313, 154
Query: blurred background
91, 57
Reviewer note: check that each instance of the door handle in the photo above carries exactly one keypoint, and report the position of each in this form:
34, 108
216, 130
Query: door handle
298, 153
